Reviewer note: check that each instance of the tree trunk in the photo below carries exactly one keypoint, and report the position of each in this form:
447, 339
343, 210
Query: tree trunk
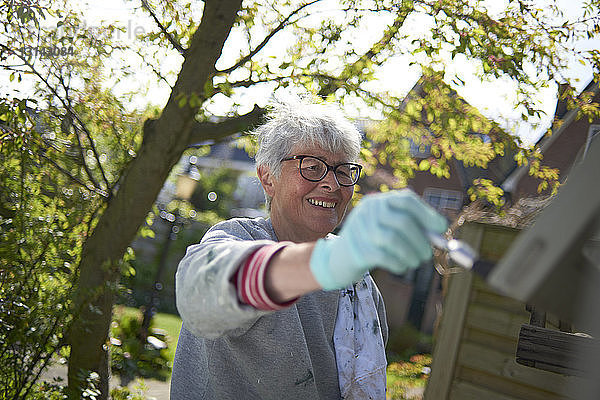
165, 139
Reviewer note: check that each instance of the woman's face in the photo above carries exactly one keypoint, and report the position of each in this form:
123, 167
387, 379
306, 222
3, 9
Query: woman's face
302, 210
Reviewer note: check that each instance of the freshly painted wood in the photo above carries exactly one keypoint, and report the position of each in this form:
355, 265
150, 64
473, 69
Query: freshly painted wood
498, 384
476, 344
494, 320
553, 350
451, 325
467, 391
504, 366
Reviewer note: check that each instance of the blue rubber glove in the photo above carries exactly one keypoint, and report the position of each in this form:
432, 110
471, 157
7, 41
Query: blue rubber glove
385, 230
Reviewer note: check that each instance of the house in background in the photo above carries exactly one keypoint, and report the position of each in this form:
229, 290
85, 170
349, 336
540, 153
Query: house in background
416, 297
568, 144
486, 346
249, 196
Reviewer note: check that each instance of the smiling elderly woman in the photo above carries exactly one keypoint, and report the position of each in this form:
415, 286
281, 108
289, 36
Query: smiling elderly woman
280, 308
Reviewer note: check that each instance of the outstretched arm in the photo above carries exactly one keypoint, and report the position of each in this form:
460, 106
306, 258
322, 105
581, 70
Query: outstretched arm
387, 230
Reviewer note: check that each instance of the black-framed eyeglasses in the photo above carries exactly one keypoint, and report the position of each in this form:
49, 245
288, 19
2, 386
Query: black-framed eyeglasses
314, 169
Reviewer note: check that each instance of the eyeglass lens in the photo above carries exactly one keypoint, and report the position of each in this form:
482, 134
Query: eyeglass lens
314, 169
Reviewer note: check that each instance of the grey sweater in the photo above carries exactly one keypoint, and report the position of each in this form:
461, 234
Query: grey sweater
228, 350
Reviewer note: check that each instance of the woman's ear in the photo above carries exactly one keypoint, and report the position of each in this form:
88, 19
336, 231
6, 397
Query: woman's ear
267, 180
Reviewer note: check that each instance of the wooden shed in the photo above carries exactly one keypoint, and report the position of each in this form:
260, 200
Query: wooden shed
476, 340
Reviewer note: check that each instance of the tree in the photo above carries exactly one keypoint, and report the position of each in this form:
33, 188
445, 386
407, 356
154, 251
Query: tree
49, 205
320, 46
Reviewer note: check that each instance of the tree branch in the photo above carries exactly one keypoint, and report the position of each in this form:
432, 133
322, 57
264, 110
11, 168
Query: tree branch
87, 169
169, 37
101, 192
157, 72
73, 114
386, 38
86, 132
249, 82
262, 44
338, 83
219, 130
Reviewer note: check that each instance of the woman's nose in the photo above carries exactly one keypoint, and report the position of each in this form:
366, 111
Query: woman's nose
330, 181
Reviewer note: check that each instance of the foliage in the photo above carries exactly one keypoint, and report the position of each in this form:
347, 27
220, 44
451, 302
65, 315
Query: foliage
80, 170
221, 182
48, 391
58, 160
192, 220
123, 393
132, 358
169, 323
403, 377
486, 189
521, 45
434, 127
44, 218
57, 391
137, 287
172, 325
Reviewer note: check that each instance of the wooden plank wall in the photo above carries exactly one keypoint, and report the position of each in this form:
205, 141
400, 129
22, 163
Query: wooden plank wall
474, 354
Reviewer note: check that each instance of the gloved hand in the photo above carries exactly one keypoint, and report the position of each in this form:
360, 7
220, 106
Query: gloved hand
385, 230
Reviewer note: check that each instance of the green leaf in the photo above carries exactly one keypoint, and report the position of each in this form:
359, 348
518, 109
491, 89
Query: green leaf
147, 232
195, 101
209, 90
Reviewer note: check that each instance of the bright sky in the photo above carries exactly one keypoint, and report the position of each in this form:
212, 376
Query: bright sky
493, 99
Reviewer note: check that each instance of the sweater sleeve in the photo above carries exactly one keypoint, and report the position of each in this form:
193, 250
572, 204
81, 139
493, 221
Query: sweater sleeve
250, 279
206, 297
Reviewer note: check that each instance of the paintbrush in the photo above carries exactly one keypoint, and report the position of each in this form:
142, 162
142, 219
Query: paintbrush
461, 253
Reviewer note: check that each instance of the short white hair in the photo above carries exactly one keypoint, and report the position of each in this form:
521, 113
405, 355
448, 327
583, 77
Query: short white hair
300, 121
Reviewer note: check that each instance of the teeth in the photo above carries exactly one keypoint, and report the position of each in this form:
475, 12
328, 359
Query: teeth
321, 203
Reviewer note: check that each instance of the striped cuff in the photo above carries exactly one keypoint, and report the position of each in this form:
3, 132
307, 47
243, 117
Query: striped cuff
250, 279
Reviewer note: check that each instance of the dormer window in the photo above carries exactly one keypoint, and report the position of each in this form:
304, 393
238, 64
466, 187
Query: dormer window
441, 199
419, 150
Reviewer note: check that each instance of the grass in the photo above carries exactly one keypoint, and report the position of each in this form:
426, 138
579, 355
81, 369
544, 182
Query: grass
172, 325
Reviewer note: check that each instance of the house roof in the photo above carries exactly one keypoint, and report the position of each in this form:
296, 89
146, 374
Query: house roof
499, 167
520, 215
563, 119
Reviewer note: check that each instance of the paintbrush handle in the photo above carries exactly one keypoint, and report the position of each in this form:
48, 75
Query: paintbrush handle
458, 251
